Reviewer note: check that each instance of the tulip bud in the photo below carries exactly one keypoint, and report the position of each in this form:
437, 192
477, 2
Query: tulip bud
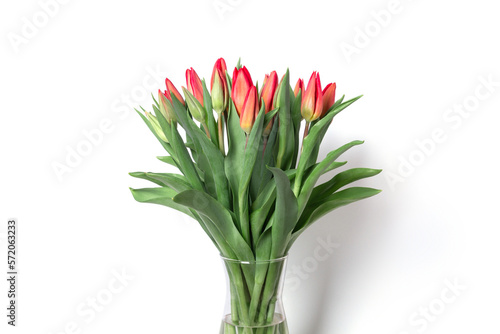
195, 107
312, 99
242, 82
328, 98
218, 87
156, 127
194, 85
166, 107
268, 90
299, 87
249, 111
267, 97
171, 89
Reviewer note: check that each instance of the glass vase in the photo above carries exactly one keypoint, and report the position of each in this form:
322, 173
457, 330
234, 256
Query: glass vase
254, 297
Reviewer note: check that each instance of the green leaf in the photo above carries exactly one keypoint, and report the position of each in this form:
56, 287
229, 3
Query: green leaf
286, 141
209, 158
247, 164
270, 115
211, 123
167, 159
296, 120
185, 163
142, 175
285, 213
162, 196
261, 175
332, 202
235, 154
320, 169
222, 222
175, 181
340, 180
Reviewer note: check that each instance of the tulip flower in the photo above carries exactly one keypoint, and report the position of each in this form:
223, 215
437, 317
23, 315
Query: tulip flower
328, 97
249, 110
195, 108
267, 97
218, 87
312, 99
242, 82
166, 107
268, 90
299, 87
194, 84
171, 89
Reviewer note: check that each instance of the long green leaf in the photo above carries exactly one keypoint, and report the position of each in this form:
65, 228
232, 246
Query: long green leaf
320, 169
221, 217
334, 201
340, 180
162, 196
285, 213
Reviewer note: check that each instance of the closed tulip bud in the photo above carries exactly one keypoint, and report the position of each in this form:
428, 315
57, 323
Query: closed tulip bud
156, 127
312, 99
218, 87
194, 85
328, 98
166, 107
299, 87
171, 89
195, 107
267, 97
268, 90
242, 82
250, 110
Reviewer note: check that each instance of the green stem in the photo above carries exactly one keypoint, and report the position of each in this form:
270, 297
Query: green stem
220, 123
206, 130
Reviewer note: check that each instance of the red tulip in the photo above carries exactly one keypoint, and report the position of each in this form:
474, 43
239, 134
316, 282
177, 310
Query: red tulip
249, 110
220, 66
194, 84
218, 87
328, 97
312, 99
171, 89
268, 90
299, 87
242, 82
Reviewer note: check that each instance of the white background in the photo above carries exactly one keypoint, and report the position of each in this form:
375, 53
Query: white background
435, 223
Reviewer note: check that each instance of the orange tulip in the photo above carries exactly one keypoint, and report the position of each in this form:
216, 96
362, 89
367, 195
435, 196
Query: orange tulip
312, 99
242, 82
268, 90
194, 84
299, 87
328, 97
249, 110
171, 89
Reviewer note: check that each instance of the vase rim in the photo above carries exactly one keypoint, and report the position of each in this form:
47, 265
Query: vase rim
279, 259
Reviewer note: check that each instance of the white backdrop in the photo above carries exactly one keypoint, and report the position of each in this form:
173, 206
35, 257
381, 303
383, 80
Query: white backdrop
422, 257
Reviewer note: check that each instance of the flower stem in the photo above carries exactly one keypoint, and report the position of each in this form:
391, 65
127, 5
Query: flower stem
220, 123
206, 130
306, 132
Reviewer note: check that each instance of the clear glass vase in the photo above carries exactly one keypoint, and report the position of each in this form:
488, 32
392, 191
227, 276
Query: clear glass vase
254, 297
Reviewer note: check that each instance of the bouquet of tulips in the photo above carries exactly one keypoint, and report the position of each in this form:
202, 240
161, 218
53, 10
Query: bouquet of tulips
255, 197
